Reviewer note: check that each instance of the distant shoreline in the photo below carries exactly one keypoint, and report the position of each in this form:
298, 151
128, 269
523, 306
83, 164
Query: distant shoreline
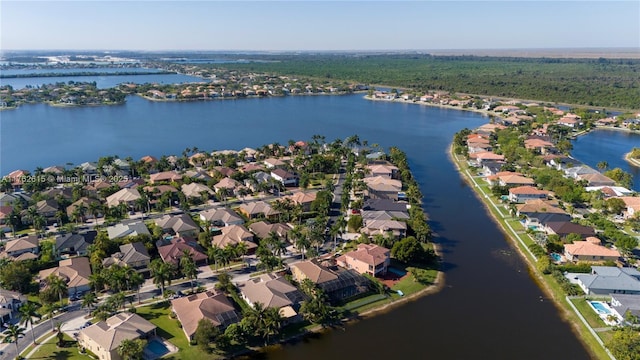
630, 160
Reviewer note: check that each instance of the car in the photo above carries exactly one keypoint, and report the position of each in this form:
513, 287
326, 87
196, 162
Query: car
88, 323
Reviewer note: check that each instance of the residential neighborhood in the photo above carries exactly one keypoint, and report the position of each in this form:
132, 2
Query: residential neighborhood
214, 244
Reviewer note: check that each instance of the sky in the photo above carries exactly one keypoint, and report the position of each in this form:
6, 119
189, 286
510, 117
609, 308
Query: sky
317, 25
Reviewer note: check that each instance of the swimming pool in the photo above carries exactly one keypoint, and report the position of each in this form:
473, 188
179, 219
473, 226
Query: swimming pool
600, 307
397, 271
556, 257
157, 347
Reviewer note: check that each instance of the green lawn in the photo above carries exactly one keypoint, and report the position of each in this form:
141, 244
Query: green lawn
409, 286
587, 312
359, 304
169, 329
49, 350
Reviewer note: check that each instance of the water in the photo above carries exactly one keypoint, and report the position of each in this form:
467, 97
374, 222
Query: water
102, 82
490, 308
76, 70
157, 347
609, 146
599, 307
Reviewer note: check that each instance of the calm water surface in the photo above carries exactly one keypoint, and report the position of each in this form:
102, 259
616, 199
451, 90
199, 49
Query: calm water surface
490, 307
102, 82
609, 146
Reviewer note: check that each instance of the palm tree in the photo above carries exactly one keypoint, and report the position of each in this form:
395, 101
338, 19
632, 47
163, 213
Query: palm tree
602, 165
265, 321
188, 267
89, 300
224, 283
215, 253
131, 349
59, 333
135, 281
27, 312
94, 210
50, 309
14, 332
300, 239
57, 285
242, 249
161, 274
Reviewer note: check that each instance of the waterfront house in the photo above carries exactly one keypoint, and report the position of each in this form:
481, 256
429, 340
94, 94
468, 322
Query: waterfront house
366, 259
209, 305
479, 158
221, 217
75, 272
273, 163
381, 187
172, 250
232, 235
515, 180
26, 248
133, 255
611, 191
385, 170
385, 205
596, 179
127, 229
126, 196
104, 337
623, 304
564, 228
383, 227
180, 225
522, 194
69, 245
258, 209
589, 250
384, 215
17, 178
272, 291
10, 302
605, 280
338, 284
538, 144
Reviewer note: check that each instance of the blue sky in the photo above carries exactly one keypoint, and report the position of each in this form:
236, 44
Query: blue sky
317, 25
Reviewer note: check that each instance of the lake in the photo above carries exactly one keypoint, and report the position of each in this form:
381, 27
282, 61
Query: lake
490, 307
609, 146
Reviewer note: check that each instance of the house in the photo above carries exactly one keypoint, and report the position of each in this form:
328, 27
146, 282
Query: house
284, 177
258, 209
104, 337
85, 203
209, 305
633, 205
384, 215
148, 159
133, 255
89, 168
384, 170
384, 205
481, 157
181, 225
623, 304
224, 171
256, 179
366, 259
46, 208
127, 196
522, 194
26, 248
538, 144
605, 280
251, 167
372, 227
232, 235
564, 228
380, 187
589, 250
611, 191
10, 302
263, 229
272, 291
197, 175
15, 198
5, 213
68, 245
165, 176
196, 190
221, 217
304, 199
227, 185
514, 180
127, 229
338, 284
75, 272
176, 247
596, 179
17, 178
576, 171
272, 163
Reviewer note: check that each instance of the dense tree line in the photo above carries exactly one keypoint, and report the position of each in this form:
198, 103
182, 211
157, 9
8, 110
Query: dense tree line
594, 82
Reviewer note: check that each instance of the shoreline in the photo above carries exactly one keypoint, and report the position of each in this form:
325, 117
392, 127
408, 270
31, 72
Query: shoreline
534, 274
441, 106
630, 160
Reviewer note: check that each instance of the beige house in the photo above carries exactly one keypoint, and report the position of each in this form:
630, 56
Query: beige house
181, 225
232, 235
257, 209
366, 259
385, 170
21, 249
212, 306
380, 187
304, 199
104, 337
195, 190
168, 176
589, 250
127, 196
75, 272
272, 291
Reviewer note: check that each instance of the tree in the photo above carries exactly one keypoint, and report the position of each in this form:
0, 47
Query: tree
602, 165
89, 300
57, 286
131, 349
59, 333
16, 276
224, 283
215, 254
188, 267
615, 205
14, 332
206, 334
162, 274
627, 243
625, 344
264, 322
408, 250
355, 223
620, 176
28, 311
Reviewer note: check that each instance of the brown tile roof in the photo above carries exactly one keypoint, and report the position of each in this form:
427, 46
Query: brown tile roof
123, 326
313, 271
173, 252
74, 271
232, 235
520, 190
24, 243
213, 306
588, 248
268, 289
370, 254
